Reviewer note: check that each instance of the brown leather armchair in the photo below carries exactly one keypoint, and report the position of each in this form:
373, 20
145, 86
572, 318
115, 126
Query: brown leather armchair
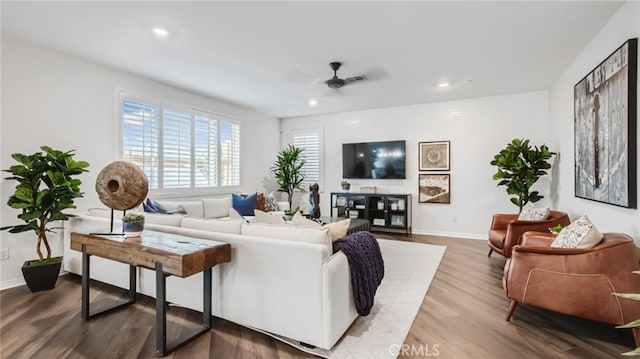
576, 282
506, 230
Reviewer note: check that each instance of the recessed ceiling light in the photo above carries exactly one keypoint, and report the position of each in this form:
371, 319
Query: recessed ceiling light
443, 84
160, 33
313, 102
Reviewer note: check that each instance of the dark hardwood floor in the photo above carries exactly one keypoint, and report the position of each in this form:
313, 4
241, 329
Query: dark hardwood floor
462, 316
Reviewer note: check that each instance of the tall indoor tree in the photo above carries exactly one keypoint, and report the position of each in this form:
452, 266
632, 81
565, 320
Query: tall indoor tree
288, 171
520, 166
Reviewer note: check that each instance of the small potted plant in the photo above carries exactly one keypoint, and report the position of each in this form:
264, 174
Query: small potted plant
46, 187
345, 185
133, 224
555, 229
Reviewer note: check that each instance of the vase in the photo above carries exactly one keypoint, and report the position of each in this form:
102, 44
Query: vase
133, 229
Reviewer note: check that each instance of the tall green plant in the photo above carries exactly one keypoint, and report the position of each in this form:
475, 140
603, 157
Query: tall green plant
45, 189
519, 167
288, 171
633, 324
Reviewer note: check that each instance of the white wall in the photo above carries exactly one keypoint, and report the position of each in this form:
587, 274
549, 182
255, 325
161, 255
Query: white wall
625, 24
50, 98
477, 128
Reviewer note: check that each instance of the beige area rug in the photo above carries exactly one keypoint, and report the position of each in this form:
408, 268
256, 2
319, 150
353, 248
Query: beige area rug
409, 269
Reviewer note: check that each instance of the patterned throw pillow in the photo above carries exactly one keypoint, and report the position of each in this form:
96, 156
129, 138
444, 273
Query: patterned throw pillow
532, 213
270, 203
579, 234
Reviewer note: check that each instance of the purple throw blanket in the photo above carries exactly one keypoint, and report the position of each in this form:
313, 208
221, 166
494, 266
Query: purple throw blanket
367, 267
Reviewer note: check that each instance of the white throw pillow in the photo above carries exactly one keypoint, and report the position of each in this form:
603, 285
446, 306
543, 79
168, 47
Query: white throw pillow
213, 225
216, 207
300, 220
532, 213
264, 217
338, 229
233, 214
579, 234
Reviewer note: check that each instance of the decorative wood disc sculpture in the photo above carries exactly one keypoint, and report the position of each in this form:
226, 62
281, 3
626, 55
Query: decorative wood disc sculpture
122, 185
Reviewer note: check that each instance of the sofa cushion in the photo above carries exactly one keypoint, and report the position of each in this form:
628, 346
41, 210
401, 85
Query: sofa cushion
231, 226
193, 208
580, 234
265, 217
233, 214
532, 213
173, 220
245, 205
216, 207
287, 232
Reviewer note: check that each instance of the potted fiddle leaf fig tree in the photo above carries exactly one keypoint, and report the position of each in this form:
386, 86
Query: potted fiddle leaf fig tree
520, 166
288, 172
46, 188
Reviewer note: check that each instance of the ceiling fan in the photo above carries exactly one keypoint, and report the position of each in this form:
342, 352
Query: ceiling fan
335, 82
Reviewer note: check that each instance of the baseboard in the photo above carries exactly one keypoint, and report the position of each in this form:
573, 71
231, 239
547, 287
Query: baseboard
16, 282
449, 234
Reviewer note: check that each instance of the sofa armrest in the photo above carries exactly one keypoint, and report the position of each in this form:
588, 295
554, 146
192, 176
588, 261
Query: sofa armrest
336, 287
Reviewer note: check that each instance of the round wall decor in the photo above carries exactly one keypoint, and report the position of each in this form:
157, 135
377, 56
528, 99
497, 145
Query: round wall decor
122, 185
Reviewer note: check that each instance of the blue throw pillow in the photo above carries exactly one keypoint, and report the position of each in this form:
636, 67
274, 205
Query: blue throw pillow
245, 205
153, 207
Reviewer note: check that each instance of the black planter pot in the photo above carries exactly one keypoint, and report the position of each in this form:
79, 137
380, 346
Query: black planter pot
41, 277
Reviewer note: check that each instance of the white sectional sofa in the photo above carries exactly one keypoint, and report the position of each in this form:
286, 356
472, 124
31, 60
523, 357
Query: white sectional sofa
282, 279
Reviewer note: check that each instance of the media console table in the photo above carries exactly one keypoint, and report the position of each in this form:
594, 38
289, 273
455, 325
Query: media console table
167, 254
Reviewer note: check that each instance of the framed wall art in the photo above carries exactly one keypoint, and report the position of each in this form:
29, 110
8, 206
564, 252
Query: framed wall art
434, 188
433, 156
605, 110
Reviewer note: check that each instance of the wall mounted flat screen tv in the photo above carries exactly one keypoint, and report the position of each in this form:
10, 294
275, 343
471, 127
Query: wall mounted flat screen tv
375, 160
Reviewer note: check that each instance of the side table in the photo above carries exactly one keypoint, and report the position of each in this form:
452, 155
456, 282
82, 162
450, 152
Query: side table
167, 254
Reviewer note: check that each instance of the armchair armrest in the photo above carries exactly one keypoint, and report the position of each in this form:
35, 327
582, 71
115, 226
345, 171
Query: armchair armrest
537, 239
502, 220
548, 250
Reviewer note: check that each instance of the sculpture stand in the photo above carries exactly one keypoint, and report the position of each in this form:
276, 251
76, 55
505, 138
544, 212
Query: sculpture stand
111, 233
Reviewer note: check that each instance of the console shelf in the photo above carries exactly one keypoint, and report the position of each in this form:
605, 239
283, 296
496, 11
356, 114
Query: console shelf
385, 212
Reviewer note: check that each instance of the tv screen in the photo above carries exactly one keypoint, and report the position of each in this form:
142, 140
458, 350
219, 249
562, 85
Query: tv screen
376, 160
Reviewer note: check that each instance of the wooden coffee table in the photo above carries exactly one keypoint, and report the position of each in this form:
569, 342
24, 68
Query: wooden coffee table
167, 254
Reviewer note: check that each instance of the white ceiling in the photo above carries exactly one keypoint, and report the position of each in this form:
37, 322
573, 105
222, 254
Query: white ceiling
274, 56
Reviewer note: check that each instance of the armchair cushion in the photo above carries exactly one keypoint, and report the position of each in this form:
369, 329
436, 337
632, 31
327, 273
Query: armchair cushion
580, 234
532, 213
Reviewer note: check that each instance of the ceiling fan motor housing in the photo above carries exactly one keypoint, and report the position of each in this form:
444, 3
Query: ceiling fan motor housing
335, 83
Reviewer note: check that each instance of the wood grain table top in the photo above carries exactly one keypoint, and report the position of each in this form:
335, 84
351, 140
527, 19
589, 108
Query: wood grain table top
181, 256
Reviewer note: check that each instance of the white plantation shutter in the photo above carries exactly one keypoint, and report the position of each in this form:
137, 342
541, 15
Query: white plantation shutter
230, 153
205, 140
310, 141
180, 149
176, 147
140, 134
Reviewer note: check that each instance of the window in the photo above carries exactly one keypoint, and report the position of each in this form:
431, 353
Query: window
178, 148
310, 141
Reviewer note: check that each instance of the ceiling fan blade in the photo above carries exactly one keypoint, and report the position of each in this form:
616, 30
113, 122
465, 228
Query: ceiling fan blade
349, 80
376, 73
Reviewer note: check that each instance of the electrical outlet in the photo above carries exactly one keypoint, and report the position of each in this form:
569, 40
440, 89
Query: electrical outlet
4, 253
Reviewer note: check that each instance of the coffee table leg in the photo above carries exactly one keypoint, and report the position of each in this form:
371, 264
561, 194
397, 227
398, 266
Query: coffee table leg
206, 287
85, 283
161, 312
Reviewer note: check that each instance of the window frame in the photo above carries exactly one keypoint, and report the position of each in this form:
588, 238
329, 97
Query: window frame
291, 132
193, 111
